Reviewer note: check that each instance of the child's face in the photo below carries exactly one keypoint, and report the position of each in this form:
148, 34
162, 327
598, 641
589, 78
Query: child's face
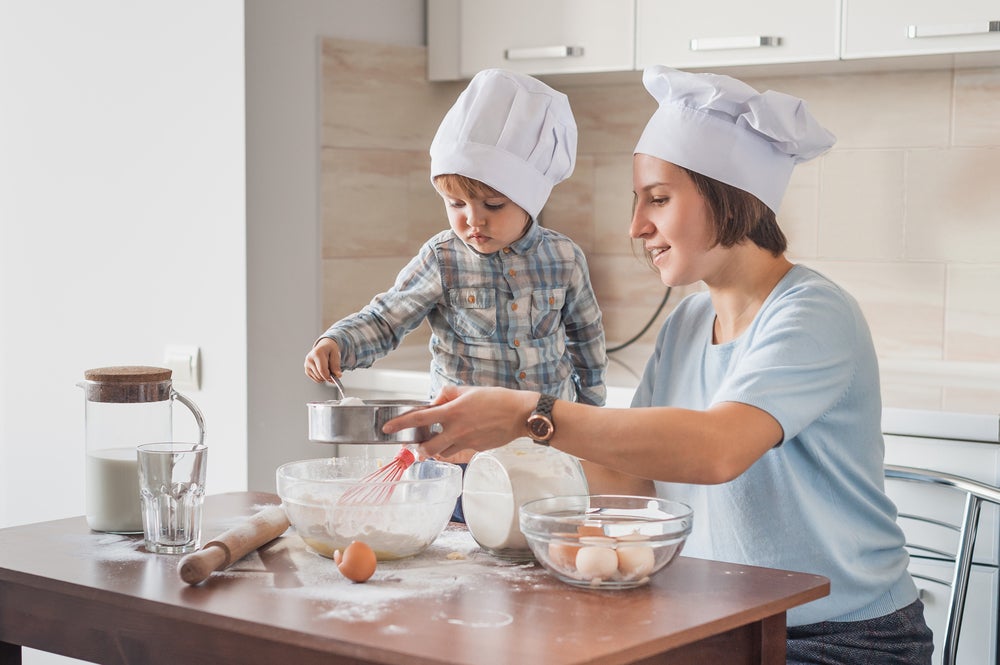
486, 223
673, 221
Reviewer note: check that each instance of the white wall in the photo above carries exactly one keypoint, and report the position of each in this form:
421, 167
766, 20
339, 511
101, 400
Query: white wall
145, 201
122, 208
283, 216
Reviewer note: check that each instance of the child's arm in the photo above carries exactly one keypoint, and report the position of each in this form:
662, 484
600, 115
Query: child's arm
585, 336
364, 337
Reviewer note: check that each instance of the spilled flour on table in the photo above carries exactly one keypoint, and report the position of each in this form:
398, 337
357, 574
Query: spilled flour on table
452, 564
111, 547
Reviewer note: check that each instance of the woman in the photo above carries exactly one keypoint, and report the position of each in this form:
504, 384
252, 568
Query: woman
760, 406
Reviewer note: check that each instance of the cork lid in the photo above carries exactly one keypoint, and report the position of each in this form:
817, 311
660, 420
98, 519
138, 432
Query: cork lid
127, 384
128, 374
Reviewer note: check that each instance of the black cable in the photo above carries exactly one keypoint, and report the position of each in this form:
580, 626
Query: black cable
649, 323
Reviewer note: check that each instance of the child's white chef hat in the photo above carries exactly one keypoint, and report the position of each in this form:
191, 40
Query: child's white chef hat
724, 129
510, 131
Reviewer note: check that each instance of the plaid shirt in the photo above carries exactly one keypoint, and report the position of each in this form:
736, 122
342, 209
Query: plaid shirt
525, 317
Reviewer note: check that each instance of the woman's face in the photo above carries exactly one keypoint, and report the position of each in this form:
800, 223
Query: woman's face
485, 223
673, 221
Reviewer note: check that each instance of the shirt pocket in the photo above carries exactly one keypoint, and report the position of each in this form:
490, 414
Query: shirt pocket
546, 311
472, 312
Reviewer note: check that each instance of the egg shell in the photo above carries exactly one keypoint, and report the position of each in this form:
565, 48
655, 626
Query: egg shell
635, 561
596, 562
357, 562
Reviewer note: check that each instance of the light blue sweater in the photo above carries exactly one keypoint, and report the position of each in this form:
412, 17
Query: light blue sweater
815, 503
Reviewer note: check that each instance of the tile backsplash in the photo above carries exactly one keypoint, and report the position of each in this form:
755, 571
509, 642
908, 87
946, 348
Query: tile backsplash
904, 212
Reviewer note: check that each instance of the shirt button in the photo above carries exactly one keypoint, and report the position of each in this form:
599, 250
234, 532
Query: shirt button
552, 300
517, 342
472, 298
513, 306
522, 376
512, 272
506, 250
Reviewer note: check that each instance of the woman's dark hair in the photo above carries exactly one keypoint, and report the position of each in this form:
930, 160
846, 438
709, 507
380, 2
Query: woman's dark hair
739, 215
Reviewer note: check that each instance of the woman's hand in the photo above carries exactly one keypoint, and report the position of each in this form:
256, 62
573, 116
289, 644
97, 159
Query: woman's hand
470, 418
323, 361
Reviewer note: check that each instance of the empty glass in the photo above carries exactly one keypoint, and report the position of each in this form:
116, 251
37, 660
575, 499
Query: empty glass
172, 487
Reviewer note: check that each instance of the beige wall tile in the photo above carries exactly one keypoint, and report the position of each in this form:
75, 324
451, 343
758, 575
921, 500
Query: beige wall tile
877, 110
610, 118
952, 199
977, 107
905, 395
799, 214
377, 203
971, 400
972, 316
861, 205
377, 96
903, 303
612, 204
570, 208
350, 283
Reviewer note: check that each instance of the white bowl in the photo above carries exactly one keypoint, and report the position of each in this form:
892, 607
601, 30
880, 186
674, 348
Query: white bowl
329, 506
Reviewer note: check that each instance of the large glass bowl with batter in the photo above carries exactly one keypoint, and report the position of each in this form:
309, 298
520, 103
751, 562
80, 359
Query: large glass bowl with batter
329, 504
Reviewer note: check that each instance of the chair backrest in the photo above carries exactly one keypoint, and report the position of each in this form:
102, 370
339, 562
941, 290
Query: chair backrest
975, 494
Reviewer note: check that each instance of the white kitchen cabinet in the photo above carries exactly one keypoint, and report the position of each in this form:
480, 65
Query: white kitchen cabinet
531, 37
715, 34
881, 28
915, 439
975, 646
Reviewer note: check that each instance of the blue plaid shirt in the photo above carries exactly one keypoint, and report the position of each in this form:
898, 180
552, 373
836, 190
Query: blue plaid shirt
525, 317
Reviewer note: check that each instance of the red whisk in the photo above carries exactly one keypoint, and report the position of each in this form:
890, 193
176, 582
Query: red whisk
377, 487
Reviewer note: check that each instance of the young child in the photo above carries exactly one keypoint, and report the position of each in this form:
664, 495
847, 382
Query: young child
509, 302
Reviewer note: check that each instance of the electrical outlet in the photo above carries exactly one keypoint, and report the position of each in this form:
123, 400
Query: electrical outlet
185, 361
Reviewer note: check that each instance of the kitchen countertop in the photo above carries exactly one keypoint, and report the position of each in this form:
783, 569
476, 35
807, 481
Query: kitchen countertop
925, 385
103, 598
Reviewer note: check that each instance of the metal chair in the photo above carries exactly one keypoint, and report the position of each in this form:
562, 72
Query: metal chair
975, 494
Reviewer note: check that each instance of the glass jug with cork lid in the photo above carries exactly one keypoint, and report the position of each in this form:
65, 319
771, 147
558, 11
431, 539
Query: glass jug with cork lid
125, 406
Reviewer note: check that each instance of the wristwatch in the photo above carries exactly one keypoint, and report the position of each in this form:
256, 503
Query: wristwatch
540, 425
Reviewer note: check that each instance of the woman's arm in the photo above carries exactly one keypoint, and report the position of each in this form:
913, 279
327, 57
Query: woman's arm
658, 443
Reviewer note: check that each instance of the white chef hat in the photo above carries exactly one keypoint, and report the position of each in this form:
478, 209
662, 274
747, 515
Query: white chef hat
724, 129
511, 132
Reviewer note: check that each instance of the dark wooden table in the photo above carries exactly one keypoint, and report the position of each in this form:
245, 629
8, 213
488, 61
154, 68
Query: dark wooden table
102, 598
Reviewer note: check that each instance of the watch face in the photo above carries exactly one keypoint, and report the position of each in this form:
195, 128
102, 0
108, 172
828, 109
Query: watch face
540, 427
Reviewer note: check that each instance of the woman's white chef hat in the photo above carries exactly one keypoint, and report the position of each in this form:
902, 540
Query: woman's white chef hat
511, 132
724, 129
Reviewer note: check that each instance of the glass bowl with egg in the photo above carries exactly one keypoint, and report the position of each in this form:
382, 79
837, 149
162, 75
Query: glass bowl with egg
605, 541
330, 505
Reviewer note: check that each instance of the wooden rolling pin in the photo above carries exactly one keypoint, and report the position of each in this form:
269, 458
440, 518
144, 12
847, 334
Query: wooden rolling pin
233, 545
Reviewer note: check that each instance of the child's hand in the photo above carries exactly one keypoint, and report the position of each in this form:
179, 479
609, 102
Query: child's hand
323, 361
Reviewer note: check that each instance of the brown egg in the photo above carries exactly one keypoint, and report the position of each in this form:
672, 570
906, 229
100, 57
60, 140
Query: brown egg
636, 561
563, 556
596, 563
356, 562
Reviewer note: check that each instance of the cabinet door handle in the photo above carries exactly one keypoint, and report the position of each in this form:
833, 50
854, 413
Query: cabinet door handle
726, 43
535, 52
952, 29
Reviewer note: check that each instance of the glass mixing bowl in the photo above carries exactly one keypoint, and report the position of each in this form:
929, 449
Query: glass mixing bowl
329, 505
605, 541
